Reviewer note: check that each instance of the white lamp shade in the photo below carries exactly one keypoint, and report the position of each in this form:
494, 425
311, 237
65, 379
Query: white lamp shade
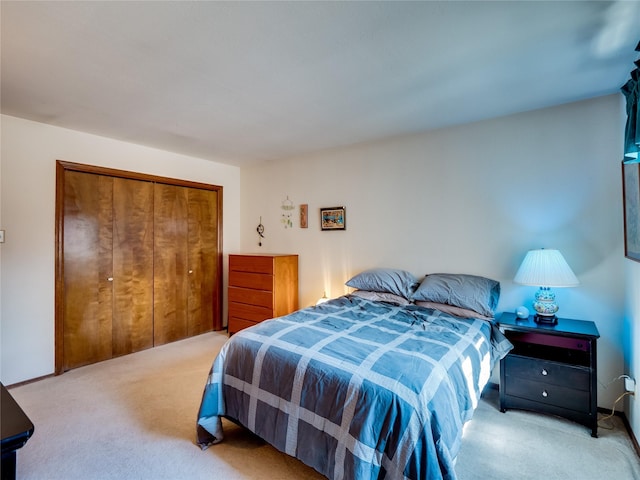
545, 268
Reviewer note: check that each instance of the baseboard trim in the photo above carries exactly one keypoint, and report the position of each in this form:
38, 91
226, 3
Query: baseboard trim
27, 382
627, 426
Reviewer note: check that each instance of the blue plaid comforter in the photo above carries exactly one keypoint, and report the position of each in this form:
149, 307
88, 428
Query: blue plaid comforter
355, 389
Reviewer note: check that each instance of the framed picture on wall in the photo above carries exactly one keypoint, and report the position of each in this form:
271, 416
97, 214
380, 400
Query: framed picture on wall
304, 215
333, 218
631, 200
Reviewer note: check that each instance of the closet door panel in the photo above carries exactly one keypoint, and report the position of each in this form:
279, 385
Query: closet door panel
87, 263
170, 263
132, 266
203, 258
137, 262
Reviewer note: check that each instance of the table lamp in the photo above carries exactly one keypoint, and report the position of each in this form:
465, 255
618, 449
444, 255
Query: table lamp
545, 268
322, 299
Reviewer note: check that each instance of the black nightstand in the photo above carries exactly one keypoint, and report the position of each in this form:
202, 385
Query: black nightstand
551, 369
16, 430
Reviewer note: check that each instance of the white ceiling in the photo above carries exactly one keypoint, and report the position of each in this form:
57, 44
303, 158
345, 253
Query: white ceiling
241, 82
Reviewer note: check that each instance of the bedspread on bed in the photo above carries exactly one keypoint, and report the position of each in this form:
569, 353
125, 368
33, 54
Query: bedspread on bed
355, 389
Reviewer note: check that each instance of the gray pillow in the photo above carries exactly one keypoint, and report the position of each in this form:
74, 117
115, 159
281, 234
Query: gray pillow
452, 310
389, 280
381, 297
472, 292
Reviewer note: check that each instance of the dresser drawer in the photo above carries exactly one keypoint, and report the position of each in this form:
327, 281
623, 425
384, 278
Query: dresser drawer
251, 263
237, 324
551, 373
256, 281
248, 296
249, 312
540, 392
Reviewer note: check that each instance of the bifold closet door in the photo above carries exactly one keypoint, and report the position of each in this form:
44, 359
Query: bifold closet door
88, 292
203, 260
186, 234
108, 267
171, 230
137, 262
132, 266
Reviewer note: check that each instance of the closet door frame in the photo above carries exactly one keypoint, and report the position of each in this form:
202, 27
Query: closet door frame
61, 168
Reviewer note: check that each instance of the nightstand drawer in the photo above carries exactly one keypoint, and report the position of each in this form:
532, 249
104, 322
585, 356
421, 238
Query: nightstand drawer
556, 395
536, 338
551, 373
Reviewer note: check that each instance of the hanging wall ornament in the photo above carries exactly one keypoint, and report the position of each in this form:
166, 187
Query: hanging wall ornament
260, 230
287, 210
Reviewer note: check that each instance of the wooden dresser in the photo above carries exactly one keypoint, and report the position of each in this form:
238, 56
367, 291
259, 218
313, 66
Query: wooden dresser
261, 287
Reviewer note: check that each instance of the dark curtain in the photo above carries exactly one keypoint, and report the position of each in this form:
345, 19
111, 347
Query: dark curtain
631, 90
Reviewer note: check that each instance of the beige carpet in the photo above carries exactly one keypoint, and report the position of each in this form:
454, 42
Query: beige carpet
530, 446
134, 418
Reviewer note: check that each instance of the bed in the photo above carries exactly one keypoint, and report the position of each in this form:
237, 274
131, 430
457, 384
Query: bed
372, 384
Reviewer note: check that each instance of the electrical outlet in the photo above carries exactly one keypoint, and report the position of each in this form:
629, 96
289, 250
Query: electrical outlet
630, 384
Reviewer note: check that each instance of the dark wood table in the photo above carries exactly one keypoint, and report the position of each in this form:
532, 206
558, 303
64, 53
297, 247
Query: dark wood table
16, 430
552, 369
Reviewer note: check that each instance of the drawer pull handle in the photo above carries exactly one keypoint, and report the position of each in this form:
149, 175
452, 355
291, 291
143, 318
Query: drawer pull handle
544, 372
545, 394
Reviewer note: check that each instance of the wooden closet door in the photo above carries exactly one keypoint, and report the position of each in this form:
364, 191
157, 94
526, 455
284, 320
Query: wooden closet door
125, 243
203, 259
170, 263
132, 266
87, 263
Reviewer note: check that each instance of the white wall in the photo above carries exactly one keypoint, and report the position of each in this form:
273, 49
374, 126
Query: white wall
469, 199
632, 342
28, 156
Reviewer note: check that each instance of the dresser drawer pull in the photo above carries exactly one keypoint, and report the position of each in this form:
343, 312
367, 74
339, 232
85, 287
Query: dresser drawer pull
544, 372
545, 394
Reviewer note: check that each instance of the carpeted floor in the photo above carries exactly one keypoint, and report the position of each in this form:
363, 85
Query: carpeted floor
530, 446
134, 418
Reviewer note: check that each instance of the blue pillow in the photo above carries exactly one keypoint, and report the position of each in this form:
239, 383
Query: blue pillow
386, 280
472, 292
